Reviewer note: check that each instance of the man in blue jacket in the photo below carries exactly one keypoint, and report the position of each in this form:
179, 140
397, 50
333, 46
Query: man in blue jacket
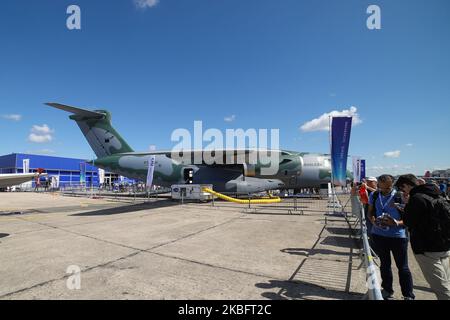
429, 238
389, 235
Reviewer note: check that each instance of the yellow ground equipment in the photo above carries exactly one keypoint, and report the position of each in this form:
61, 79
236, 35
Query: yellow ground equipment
242, 201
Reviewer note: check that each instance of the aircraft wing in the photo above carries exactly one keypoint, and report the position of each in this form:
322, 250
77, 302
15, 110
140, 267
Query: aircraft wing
13, 179
229, 156
192, 152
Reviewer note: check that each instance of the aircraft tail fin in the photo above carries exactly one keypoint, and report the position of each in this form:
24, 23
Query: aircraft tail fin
97, 129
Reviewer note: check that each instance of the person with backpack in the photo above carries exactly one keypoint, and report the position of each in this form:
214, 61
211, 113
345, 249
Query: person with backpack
427, 216
389, 236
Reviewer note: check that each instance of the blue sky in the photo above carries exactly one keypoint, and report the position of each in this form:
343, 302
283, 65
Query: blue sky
260, 63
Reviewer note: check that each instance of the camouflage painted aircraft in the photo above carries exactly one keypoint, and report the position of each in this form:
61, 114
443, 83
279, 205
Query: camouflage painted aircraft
115, 155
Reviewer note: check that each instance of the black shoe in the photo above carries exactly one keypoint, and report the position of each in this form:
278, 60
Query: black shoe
387, 295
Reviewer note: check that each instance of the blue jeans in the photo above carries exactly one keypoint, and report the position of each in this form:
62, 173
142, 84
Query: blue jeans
383, 247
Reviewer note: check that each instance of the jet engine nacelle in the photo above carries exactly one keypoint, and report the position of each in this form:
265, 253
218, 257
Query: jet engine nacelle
253, 185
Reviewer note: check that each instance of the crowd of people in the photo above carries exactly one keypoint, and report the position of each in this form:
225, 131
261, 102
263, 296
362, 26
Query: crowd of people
407, 211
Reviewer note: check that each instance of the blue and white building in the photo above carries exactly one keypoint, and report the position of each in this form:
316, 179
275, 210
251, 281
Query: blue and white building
68, 171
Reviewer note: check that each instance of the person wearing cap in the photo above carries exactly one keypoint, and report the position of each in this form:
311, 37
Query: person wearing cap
371, 184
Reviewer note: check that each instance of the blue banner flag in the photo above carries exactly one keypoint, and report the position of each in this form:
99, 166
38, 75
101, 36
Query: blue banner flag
363, 169
341, 128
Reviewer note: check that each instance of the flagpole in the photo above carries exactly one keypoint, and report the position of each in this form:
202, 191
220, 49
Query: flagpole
331, 151
92, 178
332, 196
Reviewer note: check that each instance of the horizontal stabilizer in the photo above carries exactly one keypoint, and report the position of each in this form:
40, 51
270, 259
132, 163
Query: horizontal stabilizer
78, 111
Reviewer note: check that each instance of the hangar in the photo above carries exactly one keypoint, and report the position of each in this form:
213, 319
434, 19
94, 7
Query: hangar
68, 171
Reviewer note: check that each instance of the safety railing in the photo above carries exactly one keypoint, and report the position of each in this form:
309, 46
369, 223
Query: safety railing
372, 279
299, 204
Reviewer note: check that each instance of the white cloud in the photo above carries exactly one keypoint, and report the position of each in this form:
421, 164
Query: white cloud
39, 138
392, 154
323, 122
393, 169
409, 144
44, 129
40, 134
144, 4
230, 118
13, 117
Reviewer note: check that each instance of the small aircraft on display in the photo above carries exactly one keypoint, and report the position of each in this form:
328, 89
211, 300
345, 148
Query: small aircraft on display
14, 179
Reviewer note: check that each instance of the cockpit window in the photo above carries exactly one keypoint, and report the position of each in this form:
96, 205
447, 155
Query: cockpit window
285, 161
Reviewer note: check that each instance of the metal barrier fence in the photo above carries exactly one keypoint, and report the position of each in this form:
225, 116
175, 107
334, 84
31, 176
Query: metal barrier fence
372, 280
298, 204
129, 194
373, 283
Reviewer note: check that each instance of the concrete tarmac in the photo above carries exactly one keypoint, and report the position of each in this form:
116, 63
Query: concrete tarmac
165, 250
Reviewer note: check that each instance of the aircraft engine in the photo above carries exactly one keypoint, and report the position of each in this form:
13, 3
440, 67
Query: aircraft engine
253, 185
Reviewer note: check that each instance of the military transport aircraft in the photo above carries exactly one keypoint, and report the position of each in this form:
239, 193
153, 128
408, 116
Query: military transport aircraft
115, 155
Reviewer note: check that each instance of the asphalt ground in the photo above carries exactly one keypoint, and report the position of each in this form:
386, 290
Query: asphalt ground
162, 249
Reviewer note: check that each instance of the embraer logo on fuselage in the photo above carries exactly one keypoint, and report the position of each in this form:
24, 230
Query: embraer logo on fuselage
236, 146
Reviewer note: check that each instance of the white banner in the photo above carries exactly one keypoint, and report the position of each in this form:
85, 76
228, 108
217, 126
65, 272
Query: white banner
150, 171
101, 176
26, 165
54, 182
356, 169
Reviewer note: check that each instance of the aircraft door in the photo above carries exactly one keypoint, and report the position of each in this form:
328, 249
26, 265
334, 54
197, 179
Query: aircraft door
188, 175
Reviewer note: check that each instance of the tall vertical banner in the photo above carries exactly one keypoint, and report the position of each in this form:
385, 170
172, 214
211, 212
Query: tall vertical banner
150, 171
341, 128
356, 169
26, 165
82, 173
101, 176
363, 169
54, 182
